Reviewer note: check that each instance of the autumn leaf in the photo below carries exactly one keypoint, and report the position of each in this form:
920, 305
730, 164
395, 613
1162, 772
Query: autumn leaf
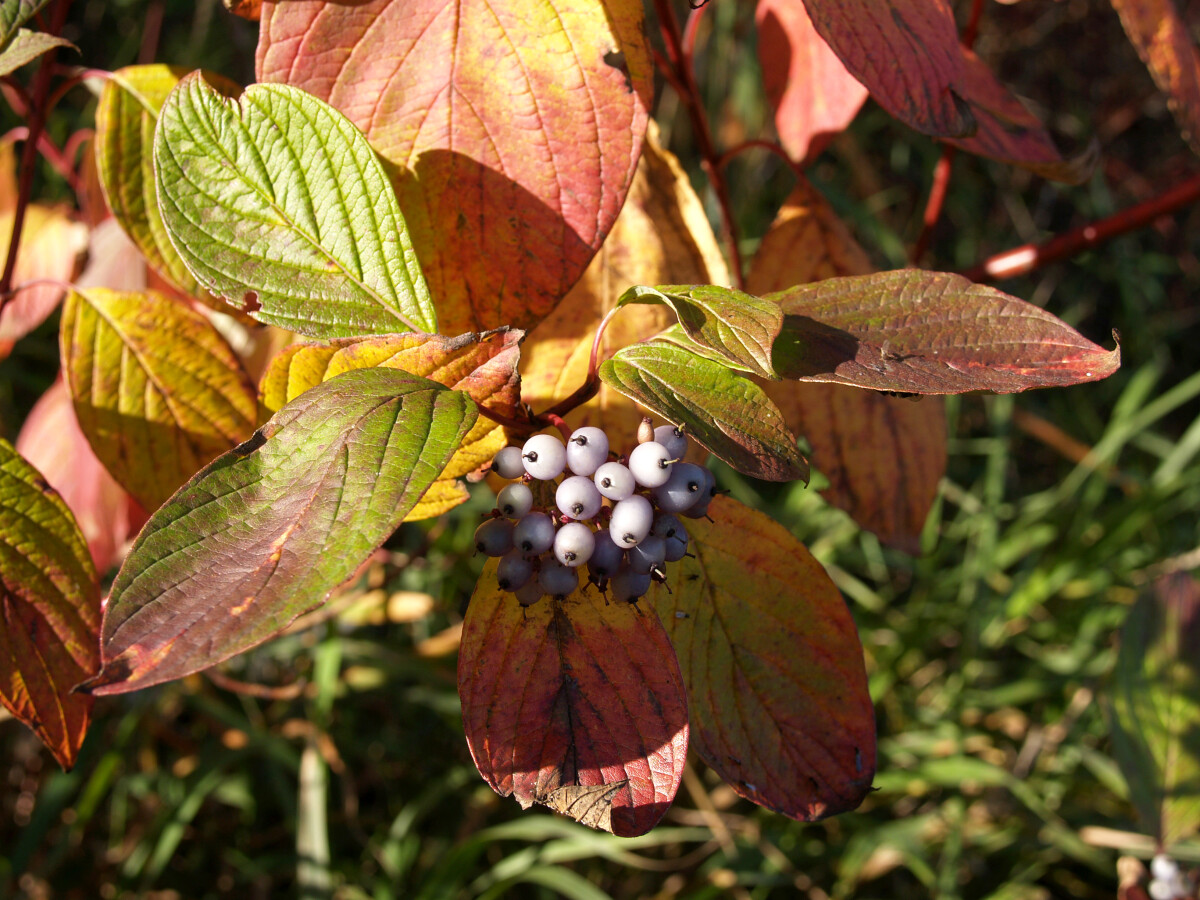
576, 704
772, 666
661, 237
483, 366
49, 609
1164, 42
929, 333
812, 94
26, 46
512, 132
51, 244
157, 390
884, 456
267, 530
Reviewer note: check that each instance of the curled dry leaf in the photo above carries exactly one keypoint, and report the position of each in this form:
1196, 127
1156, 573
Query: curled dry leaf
661, 237
575, 704
884, 456
511, 131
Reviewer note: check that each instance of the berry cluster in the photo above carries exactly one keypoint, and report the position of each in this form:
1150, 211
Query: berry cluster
616, 515
1167, 881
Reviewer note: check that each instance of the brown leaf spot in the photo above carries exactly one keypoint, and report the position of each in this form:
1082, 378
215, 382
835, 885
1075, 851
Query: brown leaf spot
250, 302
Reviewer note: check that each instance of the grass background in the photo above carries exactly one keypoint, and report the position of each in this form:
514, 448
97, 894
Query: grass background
989, 657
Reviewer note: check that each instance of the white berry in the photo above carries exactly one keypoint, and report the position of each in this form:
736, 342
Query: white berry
650, 464
574, 544
578, 497
544, 456
631, 521
587, 450
614, 481
508, 463
514, 500
673, 439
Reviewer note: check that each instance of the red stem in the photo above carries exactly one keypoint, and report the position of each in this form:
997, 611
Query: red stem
1025, 259
679, 74
37, 121
971, 29
59, 160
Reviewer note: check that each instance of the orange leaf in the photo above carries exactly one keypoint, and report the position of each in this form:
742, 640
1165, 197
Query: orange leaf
1163, 41
575, 704
51, 244
661, 237
479, 109
884, 456
772, 664
813, 95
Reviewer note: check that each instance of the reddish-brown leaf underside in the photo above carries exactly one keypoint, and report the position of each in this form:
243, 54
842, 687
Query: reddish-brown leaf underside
511, 132
883, 456
813, 95
576, 704
929, 333
1164, 42
773, 666
907, 54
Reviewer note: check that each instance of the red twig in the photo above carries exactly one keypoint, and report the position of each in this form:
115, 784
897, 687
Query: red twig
690, 29
518, 425
37, 121
678, 72
59, 160
18, 98
971, 29
1024, 259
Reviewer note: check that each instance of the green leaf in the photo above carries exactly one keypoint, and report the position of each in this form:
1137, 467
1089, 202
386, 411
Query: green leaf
728, 415
266, 531
772, 663
929, 333
125, 120
158, 392
49, 609
14, 14
739, 327
1156, 708
26, 46
279, 205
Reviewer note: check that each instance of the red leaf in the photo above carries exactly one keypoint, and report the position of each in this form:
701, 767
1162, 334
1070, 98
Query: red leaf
1163, 41
813, 95
575, 704
772, 663
512, 131
907, 54
929, 333
52, 441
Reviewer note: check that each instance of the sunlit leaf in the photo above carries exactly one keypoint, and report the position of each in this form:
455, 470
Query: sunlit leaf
1164, 42
52, 441
772, 664
267, 530
125, 120
661, 237
1010, 133
737, 326
483, 366
929, 333
812, 94
14, 14
279, 205
157, 390
728, 415
1156, 708
51, 244
512, 131
49, 609
907, 54
884, 456
26, 46
576, 704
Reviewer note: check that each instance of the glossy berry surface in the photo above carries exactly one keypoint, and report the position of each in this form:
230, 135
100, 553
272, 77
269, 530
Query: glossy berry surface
494, 537
534, 534
650, 464
587, 450
673, 439
574, 543
514, 571
508, 463
631, 521
578, 497
558, 580
514, 500
545, 456
614, 481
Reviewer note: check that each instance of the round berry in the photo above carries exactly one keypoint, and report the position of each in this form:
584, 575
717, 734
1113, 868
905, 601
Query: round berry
614, 481
494, 537
606, 558
515, 570
631, 521
530, 593
514, 500
682, 489
673, 439
534, 534
699, 509
666, 525
508, 463
650, 464
648, 554
574, 543
587, 450
578, 497
628, 585
676, 546
558, 580
544, 456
